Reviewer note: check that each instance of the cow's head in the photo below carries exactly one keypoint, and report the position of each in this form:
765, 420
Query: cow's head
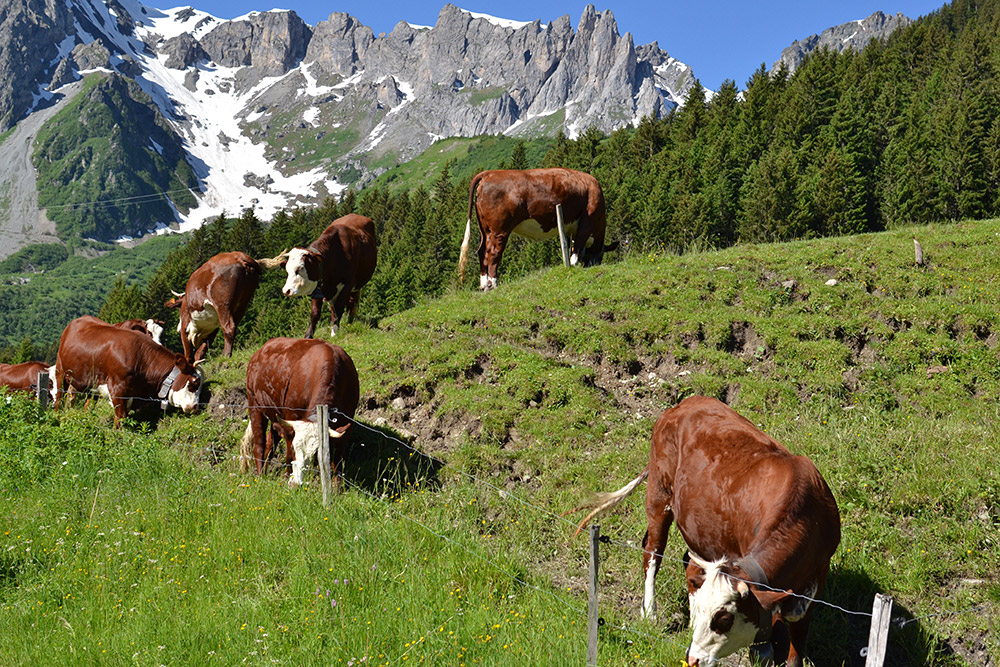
593, 256
303, 269
155, 330
305, 444
185, 391
727, 614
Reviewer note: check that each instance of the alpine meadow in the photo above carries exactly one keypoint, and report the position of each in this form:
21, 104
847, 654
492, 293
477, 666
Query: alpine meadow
767, 258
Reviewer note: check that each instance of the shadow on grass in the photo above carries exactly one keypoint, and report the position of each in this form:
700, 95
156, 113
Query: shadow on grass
838, 638
379, 462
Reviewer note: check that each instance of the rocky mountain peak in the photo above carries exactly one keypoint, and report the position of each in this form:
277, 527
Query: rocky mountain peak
274, 112
851, 35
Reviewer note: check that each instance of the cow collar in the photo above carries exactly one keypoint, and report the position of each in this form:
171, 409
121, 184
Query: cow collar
750, 565
165, 386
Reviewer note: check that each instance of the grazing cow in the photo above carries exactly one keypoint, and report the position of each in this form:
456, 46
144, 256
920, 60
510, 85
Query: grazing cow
125, 366
24, 377
524, 202
286, 379
216, 297
333, 268
760, 524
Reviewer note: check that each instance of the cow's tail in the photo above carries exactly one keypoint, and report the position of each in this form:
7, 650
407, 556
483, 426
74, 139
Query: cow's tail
272, 262
246, 449
605, 501
463, 257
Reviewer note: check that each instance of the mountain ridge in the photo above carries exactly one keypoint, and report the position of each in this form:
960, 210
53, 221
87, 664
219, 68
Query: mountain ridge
274, 113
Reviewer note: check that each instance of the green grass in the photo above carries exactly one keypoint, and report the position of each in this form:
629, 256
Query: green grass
535, 396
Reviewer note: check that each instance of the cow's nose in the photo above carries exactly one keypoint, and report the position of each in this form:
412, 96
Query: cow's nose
692, 662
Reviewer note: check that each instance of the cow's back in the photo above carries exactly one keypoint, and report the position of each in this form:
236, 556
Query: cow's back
291, 376
90, 350
733, 486
349, 251
226, 279
21, 377
505, 197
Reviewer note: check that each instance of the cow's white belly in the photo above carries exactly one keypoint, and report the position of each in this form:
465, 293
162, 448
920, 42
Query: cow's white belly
532, 230
203, 322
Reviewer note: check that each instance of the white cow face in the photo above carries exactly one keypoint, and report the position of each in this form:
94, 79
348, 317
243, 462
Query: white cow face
185, 393
155, 330
724, 613
305, 445
298, 282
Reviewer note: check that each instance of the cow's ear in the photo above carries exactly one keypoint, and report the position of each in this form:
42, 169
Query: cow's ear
770, 599
695, 576
172, 303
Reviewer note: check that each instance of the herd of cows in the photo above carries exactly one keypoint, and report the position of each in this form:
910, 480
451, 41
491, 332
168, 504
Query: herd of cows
761, 524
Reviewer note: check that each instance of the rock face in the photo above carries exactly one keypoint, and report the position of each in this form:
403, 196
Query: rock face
852, 35
31, 32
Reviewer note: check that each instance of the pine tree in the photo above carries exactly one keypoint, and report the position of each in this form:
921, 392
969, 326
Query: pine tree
246, 235
26, 352
124, 302
518, 157
767, 199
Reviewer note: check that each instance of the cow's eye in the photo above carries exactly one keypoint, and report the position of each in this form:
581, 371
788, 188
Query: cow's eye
722, 622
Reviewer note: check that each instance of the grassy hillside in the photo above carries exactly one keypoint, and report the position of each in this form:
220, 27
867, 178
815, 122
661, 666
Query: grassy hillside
148, 542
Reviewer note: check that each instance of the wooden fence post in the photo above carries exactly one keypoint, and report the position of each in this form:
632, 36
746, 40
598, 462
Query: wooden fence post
592, 619
42, 393
323, 455
563, 243
878, 636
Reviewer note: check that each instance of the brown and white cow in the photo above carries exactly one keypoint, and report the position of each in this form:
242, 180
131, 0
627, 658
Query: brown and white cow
24, 377
217, 296
125, 366
286, 379
333, 268
760, 523
524, 202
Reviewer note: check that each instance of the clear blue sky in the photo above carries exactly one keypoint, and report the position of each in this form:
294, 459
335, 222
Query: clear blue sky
719, 39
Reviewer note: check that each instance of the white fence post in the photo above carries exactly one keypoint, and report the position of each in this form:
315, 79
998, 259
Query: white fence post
563, 243
323, 456
592, 619
878, 636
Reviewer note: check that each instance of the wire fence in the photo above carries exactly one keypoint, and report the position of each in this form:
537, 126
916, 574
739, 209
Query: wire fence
898, 622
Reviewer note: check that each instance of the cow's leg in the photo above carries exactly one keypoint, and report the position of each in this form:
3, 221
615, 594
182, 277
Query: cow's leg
659, 516
257, 426
228, 335
186, 345
60, 380
203, 348
317, 308
338, 306
580, 255
352, 305
119, 400
798, 633
490, 262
